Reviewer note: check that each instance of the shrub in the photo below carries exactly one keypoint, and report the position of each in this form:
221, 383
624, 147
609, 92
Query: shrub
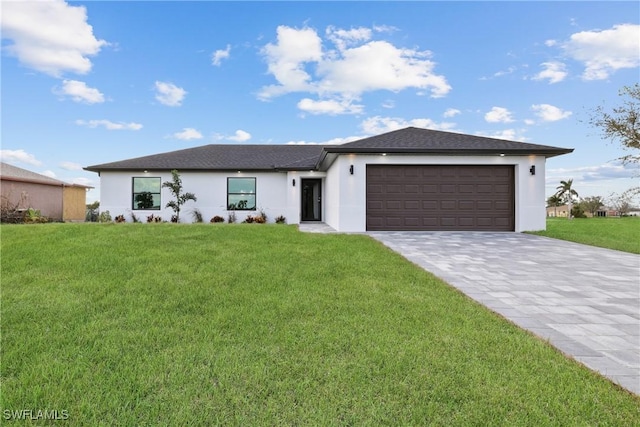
134, 218
197, 215
217, 218
259, 219
34, 216
105, 217
232, 217
281, 220
248, 220
120, 218
263, 216
152, 218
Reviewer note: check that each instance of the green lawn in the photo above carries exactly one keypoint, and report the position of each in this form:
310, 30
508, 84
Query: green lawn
622, 234
201, 324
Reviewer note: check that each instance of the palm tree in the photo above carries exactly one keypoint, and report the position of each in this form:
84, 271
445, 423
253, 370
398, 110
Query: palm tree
566, 193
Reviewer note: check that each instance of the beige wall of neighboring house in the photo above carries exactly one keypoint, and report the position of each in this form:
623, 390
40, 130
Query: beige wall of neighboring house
74, 203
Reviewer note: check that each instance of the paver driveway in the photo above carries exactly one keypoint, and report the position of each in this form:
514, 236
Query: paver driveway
584, 300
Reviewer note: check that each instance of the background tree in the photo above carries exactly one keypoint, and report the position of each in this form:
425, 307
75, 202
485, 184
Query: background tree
567, 194
555, 201
175, 186
144, 200
622, 123
592, 204
623, 203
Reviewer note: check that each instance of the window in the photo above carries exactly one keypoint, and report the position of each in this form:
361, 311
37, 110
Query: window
146, 193
241, 194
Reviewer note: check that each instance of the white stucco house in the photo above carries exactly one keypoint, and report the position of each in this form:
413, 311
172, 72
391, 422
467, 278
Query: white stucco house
408, 179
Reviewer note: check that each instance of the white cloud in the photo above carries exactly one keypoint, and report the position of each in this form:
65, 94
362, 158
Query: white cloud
451, 112
49, 36
169, 94
508, 134
550, 42
498, 115
83, 181
334, 141
109, 125
549, 113
344, 38
286, 60
330, 107
80, 92
553, 71
338, 77
604, 52
19, 156
187, 134
389, 103
377, 125
240, 136
70, 166
219, 55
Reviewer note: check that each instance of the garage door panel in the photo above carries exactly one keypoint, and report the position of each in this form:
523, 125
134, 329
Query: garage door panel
466, 205
440, 197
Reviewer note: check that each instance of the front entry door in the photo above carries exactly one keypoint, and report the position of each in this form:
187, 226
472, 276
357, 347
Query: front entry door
311, 200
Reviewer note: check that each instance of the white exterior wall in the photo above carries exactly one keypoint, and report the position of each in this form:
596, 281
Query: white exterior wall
294, 194
346, 205
343, 194
210, 188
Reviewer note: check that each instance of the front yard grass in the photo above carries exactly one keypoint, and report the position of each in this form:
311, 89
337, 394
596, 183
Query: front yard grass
622, 234
200, 324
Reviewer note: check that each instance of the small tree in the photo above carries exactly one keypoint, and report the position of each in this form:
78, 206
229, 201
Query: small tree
592, 204
566, 193
144, 200
175, 186
622, 123
622, 203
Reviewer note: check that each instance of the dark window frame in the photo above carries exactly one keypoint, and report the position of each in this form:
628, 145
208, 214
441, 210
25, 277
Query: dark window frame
134, 205
239, 206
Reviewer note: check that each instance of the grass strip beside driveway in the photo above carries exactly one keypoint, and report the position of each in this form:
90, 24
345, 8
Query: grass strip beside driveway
622, 234
200, 324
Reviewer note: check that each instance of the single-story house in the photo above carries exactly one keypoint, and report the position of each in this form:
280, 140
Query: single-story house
408, 179
57, 200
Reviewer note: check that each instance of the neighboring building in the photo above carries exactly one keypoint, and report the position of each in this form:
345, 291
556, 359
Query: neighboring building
409, 179
57, 200
557, 211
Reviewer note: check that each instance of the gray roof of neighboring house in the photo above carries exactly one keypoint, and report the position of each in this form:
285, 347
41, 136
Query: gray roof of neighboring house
410, 140
14, 173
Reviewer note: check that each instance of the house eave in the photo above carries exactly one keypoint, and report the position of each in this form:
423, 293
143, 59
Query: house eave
450, 152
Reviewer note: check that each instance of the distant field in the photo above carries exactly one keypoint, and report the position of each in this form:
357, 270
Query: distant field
622, 234
250, 325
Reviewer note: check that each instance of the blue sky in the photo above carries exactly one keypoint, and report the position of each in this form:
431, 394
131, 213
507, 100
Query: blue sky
88, 82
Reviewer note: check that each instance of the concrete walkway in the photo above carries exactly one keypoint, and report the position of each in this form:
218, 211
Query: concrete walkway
584, 300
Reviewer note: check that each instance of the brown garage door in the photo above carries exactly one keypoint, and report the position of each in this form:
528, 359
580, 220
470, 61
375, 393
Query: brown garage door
442, 197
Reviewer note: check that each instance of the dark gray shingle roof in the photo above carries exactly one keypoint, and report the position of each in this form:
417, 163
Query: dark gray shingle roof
415, 140
307, 157
224, 157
